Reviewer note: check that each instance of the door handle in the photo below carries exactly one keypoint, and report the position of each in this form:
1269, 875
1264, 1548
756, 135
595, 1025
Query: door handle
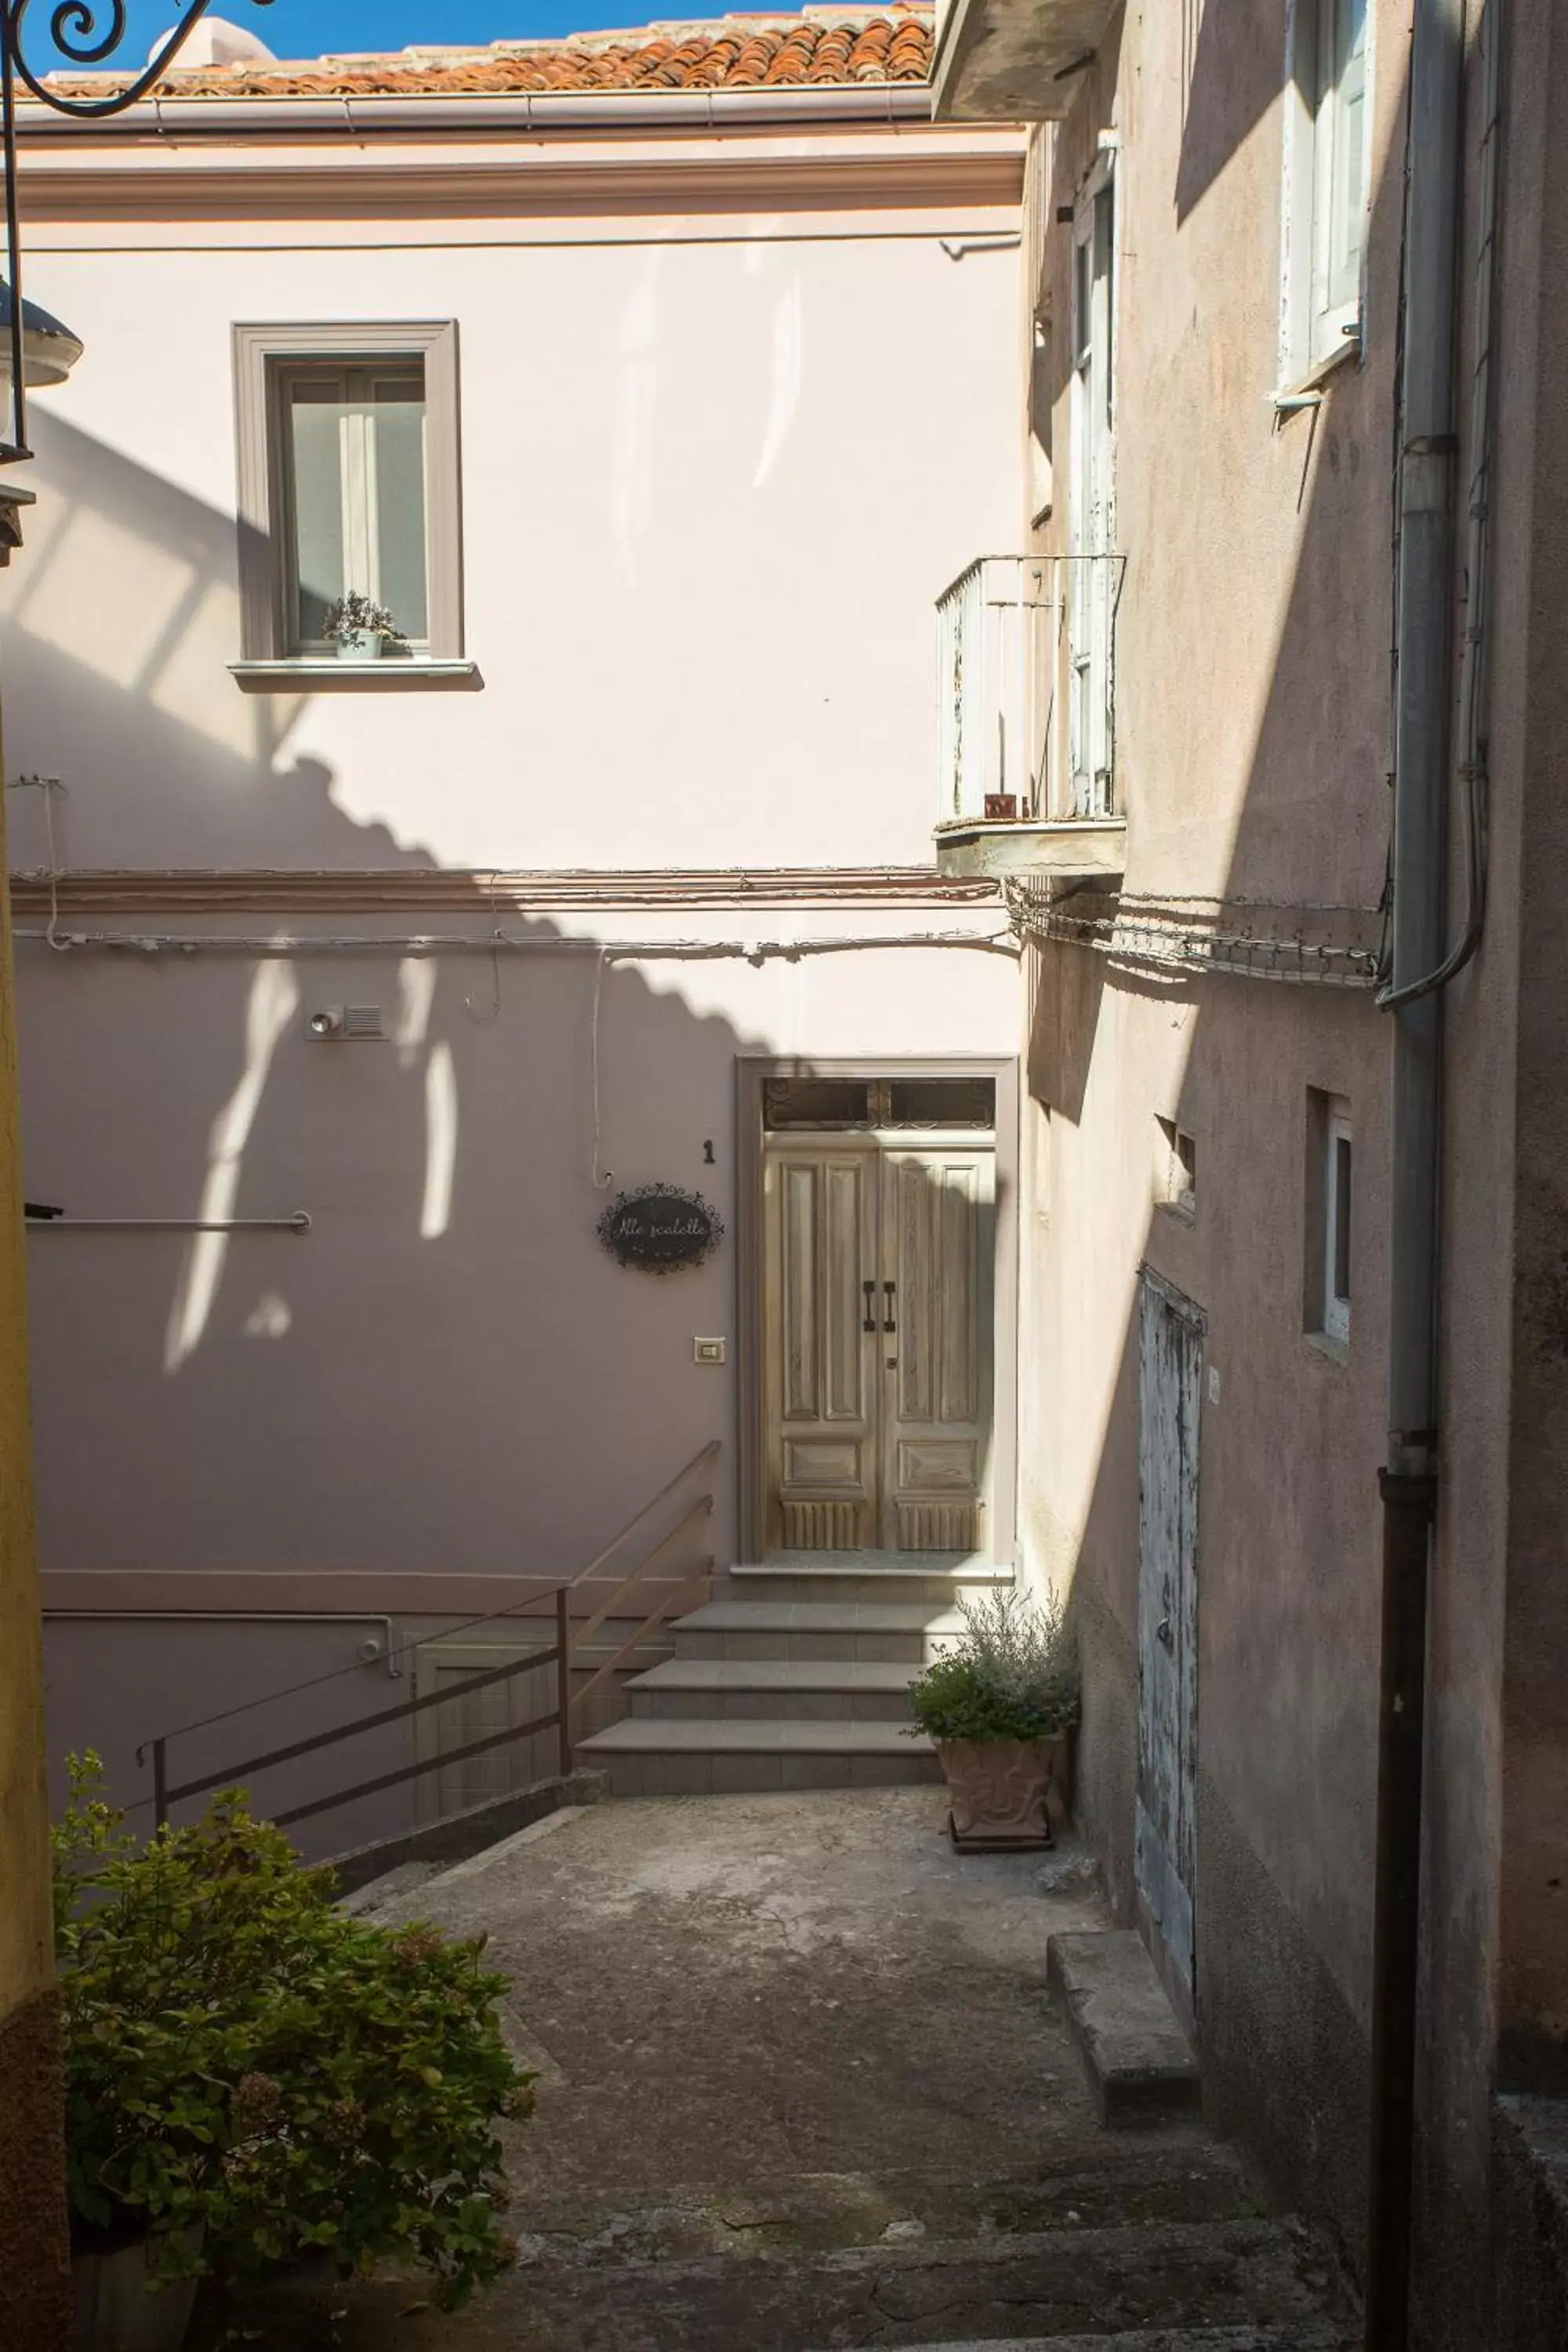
888, 1323
1162, 1632
870, 1322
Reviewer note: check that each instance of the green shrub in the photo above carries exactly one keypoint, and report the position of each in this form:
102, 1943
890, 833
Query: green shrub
1012, 1674
251, 2074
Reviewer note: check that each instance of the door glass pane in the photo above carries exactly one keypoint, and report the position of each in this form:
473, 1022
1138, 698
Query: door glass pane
943, 1102
816, 1102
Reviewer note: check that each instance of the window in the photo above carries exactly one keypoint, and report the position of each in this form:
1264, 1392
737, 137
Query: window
1092, 568
1042, 392
1331, 1169
1175, 1168
1326, 141
879, 1103
348, 482
1337, 1232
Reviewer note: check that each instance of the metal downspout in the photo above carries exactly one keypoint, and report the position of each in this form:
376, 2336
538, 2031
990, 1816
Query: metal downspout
1424, 639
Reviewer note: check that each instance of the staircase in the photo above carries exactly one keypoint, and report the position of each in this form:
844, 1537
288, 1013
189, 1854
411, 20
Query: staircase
795, 1674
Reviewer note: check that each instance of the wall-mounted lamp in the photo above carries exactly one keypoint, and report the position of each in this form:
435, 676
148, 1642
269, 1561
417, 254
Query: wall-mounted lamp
49, 350
346, 1023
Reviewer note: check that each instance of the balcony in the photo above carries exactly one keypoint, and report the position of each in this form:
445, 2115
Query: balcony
1013, 60
1026, 719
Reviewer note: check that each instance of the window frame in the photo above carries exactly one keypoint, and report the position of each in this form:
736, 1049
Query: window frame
1339, 1223
1316, 332
261, 353
1092, 522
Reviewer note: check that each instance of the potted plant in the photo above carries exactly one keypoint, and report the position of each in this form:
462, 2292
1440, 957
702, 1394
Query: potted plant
252, 2075
361, 627
1000, 1704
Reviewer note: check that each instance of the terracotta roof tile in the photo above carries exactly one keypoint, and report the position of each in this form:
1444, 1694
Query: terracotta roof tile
823, 46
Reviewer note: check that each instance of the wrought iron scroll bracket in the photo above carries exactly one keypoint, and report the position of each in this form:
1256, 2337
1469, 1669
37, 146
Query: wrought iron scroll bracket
85, 33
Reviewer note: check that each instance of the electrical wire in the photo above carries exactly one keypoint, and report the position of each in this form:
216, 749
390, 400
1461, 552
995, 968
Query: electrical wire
279, 943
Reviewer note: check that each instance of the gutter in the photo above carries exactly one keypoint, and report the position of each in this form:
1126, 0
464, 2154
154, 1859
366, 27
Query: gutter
521, 113
1428, 453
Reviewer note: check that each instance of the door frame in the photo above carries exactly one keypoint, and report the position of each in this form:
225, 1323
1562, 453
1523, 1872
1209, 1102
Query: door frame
751, 1073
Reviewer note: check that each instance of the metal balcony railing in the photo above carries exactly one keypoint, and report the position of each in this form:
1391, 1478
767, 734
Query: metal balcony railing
1025, 689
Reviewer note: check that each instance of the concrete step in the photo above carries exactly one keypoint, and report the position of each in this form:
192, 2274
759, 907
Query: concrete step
694, 1757
888, 1631
1139, 2063
1308, 2337
941, 1578
778, 1689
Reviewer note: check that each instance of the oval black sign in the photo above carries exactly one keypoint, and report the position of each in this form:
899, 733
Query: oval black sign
658, 1228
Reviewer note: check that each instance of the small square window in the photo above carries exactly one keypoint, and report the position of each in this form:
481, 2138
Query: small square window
1331, 1193
1337, 1186
348, 474
1175, 1168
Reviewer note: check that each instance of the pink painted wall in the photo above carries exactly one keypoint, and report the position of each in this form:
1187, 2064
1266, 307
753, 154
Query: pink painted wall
711, 486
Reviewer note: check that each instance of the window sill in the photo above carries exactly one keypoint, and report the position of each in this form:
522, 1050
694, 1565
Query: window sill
397, 676
1185, 1211
1087, 847
1306, 392
1338, 1351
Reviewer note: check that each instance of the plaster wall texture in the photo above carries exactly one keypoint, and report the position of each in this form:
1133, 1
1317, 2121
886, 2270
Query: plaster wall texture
711, 486
1253, 719
709, 495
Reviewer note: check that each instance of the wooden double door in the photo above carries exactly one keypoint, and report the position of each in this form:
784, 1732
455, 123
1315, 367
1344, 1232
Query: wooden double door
878, 1339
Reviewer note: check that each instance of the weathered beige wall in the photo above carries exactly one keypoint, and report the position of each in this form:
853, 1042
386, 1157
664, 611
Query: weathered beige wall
1253, 703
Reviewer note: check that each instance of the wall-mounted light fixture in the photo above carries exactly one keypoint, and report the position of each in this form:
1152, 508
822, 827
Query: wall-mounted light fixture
345, 1023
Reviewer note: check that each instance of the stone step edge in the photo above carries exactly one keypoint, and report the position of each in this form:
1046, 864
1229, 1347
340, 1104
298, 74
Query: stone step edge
818, 1617
1291, 2337
752, 1734
783, 1675
1138, 2062
978, 1572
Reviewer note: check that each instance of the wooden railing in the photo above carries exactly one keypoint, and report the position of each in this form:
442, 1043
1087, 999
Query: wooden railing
559, 1654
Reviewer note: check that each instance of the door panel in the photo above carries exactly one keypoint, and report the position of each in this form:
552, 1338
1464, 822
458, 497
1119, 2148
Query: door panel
819, 1235
1170, 1365
480, 1779
938, 1217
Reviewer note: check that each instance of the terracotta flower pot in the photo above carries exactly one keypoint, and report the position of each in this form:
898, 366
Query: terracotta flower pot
998, 1789
119, 2307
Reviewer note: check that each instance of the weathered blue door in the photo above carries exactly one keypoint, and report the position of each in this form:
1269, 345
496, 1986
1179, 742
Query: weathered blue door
1170, 1370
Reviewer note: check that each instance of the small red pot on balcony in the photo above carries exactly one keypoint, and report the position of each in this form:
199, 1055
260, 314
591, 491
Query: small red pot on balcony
1001, 808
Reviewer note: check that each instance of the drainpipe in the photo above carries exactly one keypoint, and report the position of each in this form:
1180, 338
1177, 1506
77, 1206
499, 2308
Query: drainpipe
1424, 636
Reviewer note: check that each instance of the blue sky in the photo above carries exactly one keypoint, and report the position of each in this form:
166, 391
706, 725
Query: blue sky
306, 28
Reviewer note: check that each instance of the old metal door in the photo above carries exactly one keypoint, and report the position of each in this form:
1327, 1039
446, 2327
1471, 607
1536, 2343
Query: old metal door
1170, 1370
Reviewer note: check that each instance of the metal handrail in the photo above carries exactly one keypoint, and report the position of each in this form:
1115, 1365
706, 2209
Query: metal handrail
558, 1655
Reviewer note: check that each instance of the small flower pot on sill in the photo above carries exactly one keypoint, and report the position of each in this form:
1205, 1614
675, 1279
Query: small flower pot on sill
361, 644
1001, 808
119, 2307
997, 1789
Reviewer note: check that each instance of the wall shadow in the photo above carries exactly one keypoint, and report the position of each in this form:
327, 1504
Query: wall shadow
1281, 677
448, 1379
